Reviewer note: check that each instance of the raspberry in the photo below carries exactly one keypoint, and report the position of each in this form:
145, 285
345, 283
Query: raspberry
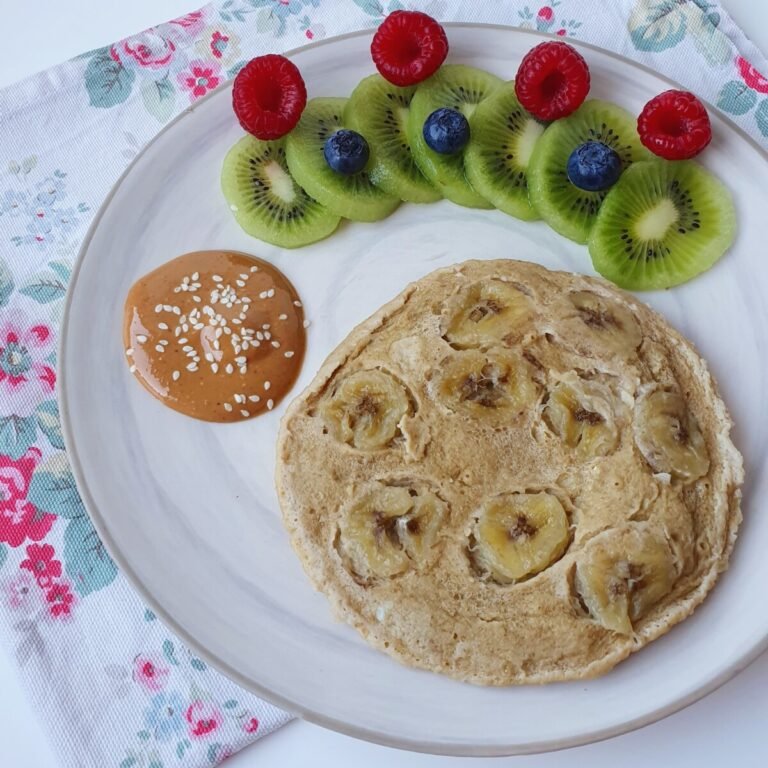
552, 81
674, 125
269, 96
408, 47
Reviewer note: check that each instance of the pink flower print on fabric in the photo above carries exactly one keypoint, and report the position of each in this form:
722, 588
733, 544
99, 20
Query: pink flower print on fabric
41, 563
199, 78
20, 593
60, 600
203, 719
150, 672
26, 376
751, 76
19, 518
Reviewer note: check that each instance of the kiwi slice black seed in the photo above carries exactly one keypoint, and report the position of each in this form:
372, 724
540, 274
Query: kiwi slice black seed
661, 224
457, 87
265, 199
379, 111
502, 139
566, 208
354, 197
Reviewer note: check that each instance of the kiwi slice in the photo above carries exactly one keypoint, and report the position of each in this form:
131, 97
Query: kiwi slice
266, 200
661, 224
502, 138
353, 197
566, 208
379, 111
457, 87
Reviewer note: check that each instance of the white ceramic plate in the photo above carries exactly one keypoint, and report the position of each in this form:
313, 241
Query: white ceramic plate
189, 511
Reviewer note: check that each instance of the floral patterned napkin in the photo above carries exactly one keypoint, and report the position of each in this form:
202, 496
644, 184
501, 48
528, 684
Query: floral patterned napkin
113, 685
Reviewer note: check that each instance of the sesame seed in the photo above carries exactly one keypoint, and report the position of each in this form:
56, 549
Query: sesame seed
244, 413
216, 344
162, 326
267, 335
192, 367
297, 304
244, 275
197, 299
270, 293
185, 327
267, 385
141, 338
177, 331
184, 340
275, 344
227, 407
209, 357
270, 404
237, 321
254, 398
176, 310
263, 295
259, 335
247, 299
239, 398
254, 269
159, 347
175, 375
199, 326
306, 323
289, 354
195, 275
187, 348
214, 367
240, 283
132, 369
266, 326
167, 308
217, 278
240, 360
163, 342
229, 368
129, 351
243, 370
159, 308
282, 317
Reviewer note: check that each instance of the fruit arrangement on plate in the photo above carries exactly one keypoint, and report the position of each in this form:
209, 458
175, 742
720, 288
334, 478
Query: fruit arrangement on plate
534, 147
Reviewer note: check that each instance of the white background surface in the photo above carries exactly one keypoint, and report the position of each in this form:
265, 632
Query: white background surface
727, 728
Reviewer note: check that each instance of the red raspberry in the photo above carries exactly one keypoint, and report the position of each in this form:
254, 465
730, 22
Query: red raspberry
408, 47
552, 81
674, 125
269, 96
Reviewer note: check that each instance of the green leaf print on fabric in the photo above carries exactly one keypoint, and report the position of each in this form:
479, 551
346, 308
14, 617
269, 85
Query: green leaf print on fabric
44, 288
86, 561
159, 98
49, 421
53, 488
736, 98
17, 433
761, 115
108, 82
6, 283
656, 25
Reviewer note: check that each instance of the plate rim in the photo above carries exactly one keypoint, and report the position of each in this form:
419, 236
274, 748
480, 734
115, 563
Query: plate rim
293, 707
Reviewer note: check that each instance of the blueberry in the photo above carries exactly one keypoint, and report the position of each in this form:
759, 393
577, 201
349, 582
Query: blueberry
594, 166
346, 152
446, 131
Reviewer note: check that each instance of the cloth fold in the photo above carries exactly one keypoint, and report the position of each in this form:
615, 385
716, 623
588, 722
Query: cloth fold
113, 686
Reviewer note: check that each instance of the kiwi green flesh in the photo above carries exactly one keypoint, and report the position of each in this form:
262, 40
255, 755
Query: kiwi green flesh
266, 201
458, 87
566, 208
502, 139
354, 197
662, 224
379, 111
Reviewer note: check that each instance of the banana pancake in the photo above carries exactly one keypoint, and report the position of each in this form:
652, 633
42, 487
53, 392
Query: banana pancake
511, 475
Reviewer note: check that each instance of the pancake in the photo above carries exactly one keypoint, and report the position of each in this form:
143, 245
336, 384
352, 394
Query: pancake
511, 475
